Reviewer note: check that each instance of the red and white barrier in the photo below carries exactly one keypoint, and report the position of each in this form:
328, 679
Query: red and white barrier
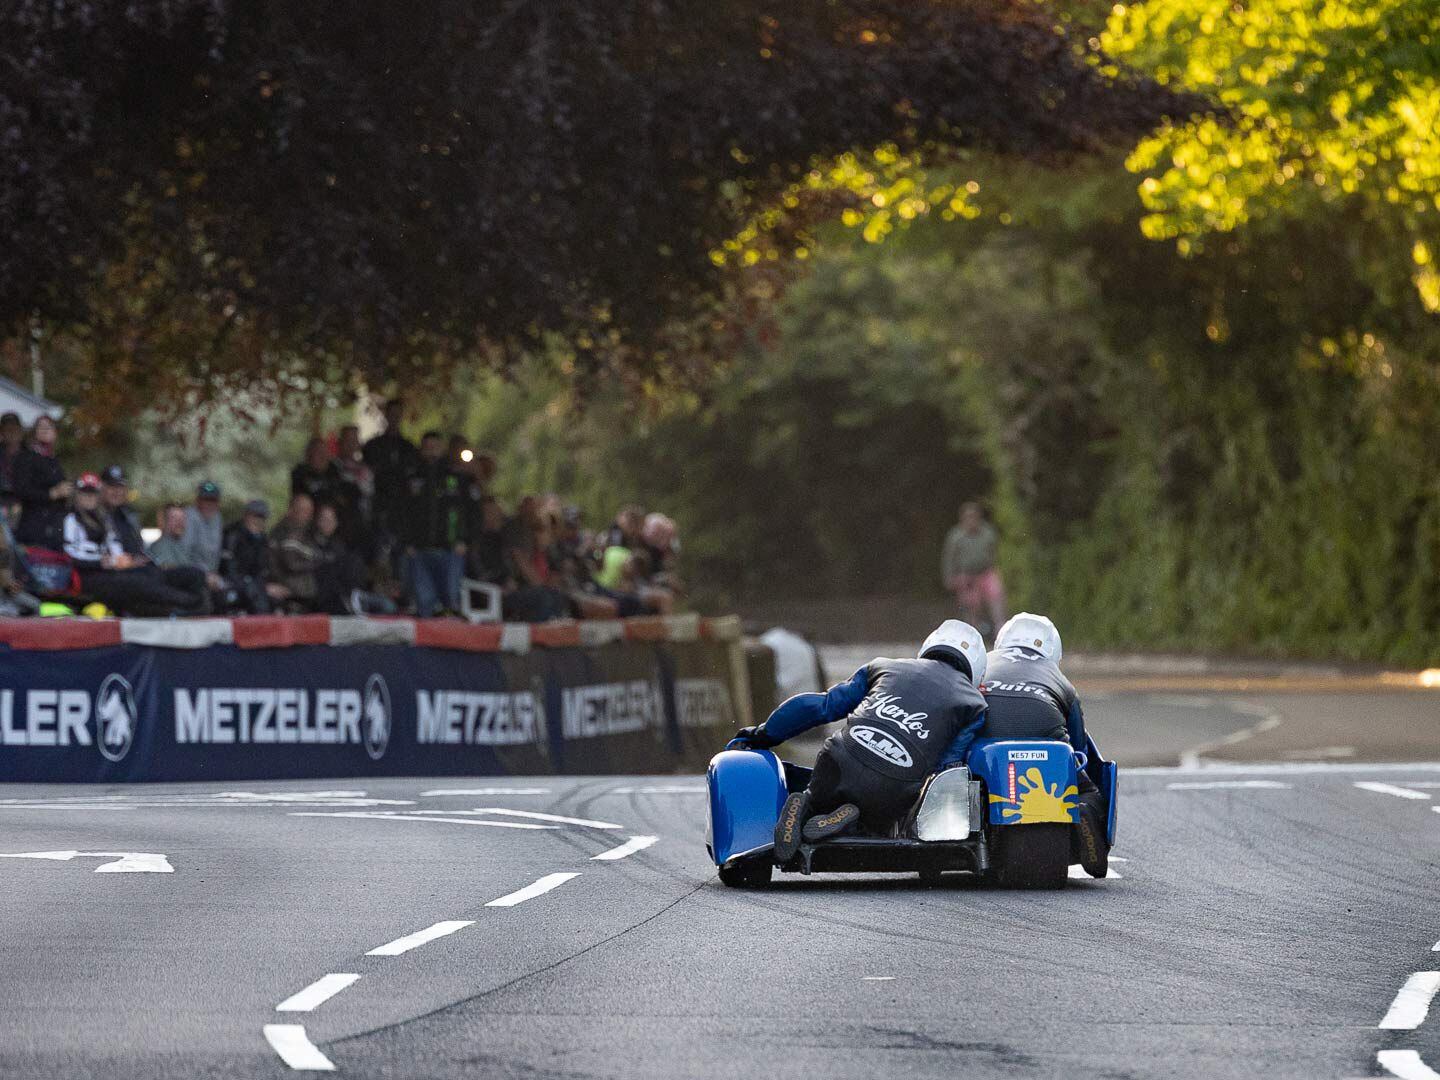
284, 631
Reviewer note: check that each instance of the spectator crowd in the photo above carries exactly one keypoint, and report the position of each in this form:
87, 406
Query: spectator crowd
382, 527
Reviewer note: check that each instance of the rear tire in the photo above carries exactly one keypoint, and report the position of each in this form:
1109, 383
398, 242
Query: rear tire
1031, 856
752, 874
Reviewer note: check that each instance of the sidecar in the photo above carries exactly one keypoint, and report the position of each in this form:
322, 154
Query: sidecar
1006, 817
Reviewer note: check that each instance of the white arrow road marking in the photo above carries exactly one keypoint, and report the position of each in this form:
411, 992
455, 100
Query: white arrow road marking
420, 937
1408, 1010
634, 844
1076, 873
296, 1049
317, 993
545, 817
1405, 1064
1391, 789
537, 888
383, 816
1201, 785
485, 791
126, 862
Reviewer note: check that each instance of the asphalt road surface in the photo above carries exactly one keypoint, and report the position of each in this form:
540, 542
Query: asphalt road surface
1274, 920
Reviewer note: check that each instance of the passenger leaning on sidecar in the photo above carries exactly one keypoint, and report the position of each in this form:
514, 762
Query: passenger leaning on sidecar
902, 717
1029, 697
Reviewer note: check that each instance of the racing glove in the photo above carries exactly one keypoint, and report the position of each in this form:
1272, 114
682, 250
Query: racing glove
755, 737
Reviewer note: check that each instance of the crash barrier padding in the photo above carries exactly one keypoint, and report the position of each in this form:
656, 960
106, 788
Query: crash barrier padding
304, 698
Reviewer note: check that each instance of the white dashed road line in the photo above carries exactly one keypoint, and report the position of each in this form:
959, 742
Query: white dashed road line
534, 889
420, 937
296, 1049
545, 817
663, 789
428, 817
1405, 1064
317, 993
1200, 785
1411, 1004
1076, 873
437, 792
634, 844
1391, 789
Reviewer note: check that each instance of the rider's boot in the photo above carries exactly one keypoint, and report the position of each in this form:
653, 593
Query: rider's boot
841, 819
1087, 843
788, 828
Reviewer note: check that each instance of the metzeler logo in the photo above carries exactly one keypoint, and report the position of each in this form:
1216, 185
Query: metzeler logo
881, 745
58, 718
702, 703
115, 717
608, 709
261, 715
476, 717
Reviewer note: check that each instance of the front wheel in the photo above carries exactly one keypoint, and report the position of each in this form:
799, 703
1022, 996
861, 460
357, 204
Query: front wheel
1031, 856
751, 874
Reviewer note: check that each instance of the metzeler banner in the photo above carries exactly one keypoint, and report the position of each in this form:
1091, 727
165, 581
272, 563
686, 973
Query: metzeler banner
133, 712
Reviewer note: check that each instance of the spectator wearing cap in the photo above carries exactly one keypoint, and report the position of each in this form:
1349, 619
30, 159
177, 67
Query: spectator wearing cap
12, 445
245, 561
115, 498
127, 584
204, 529
40, 485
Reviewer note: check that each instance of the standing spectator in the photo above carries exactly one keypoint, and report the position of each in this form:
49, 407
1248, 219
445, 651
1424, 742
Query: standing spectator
245, 561
443, 508
125, 583
12, 445
391, 458
293, 557
42, 489
317, 475
203, 528
356, 488
968, 567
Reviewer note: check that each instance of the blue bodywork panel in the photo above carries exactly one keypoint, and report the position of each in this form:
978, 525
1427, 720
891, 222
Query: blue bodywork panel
747, 789
1030, 781
1106, 775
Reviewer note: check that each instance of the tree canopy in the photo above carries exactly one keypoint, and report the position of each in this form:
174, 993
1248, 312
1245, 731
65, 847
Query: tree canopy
208, 186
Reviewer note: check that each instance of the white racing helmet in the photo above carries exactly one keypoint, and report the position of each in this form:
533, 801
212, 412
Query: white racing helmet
1033, 632
958, 639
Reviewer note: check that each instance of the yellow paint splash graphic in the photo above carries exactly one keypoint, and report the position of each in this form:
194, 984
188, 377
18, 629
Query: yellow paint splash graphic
1037, 804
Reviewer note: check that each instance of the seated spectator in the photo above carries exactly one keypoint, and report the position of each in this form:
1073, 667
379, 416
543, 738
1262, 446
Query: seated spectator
41, 487
127, 584
442, 508
660, 547
169, 548
14, 577
293, 557
527, 541
485, 555
623, 532
203, 528
245, 561
340, 573
12, 445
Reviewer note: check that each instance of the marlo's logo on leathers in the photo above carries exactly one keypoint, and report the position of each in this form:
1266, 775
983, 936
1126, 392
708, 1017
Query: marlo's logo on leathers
887, 707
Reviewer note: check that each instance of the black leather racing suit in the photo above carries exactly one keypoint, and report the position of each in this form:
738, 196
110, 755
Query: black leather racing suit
894, 738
